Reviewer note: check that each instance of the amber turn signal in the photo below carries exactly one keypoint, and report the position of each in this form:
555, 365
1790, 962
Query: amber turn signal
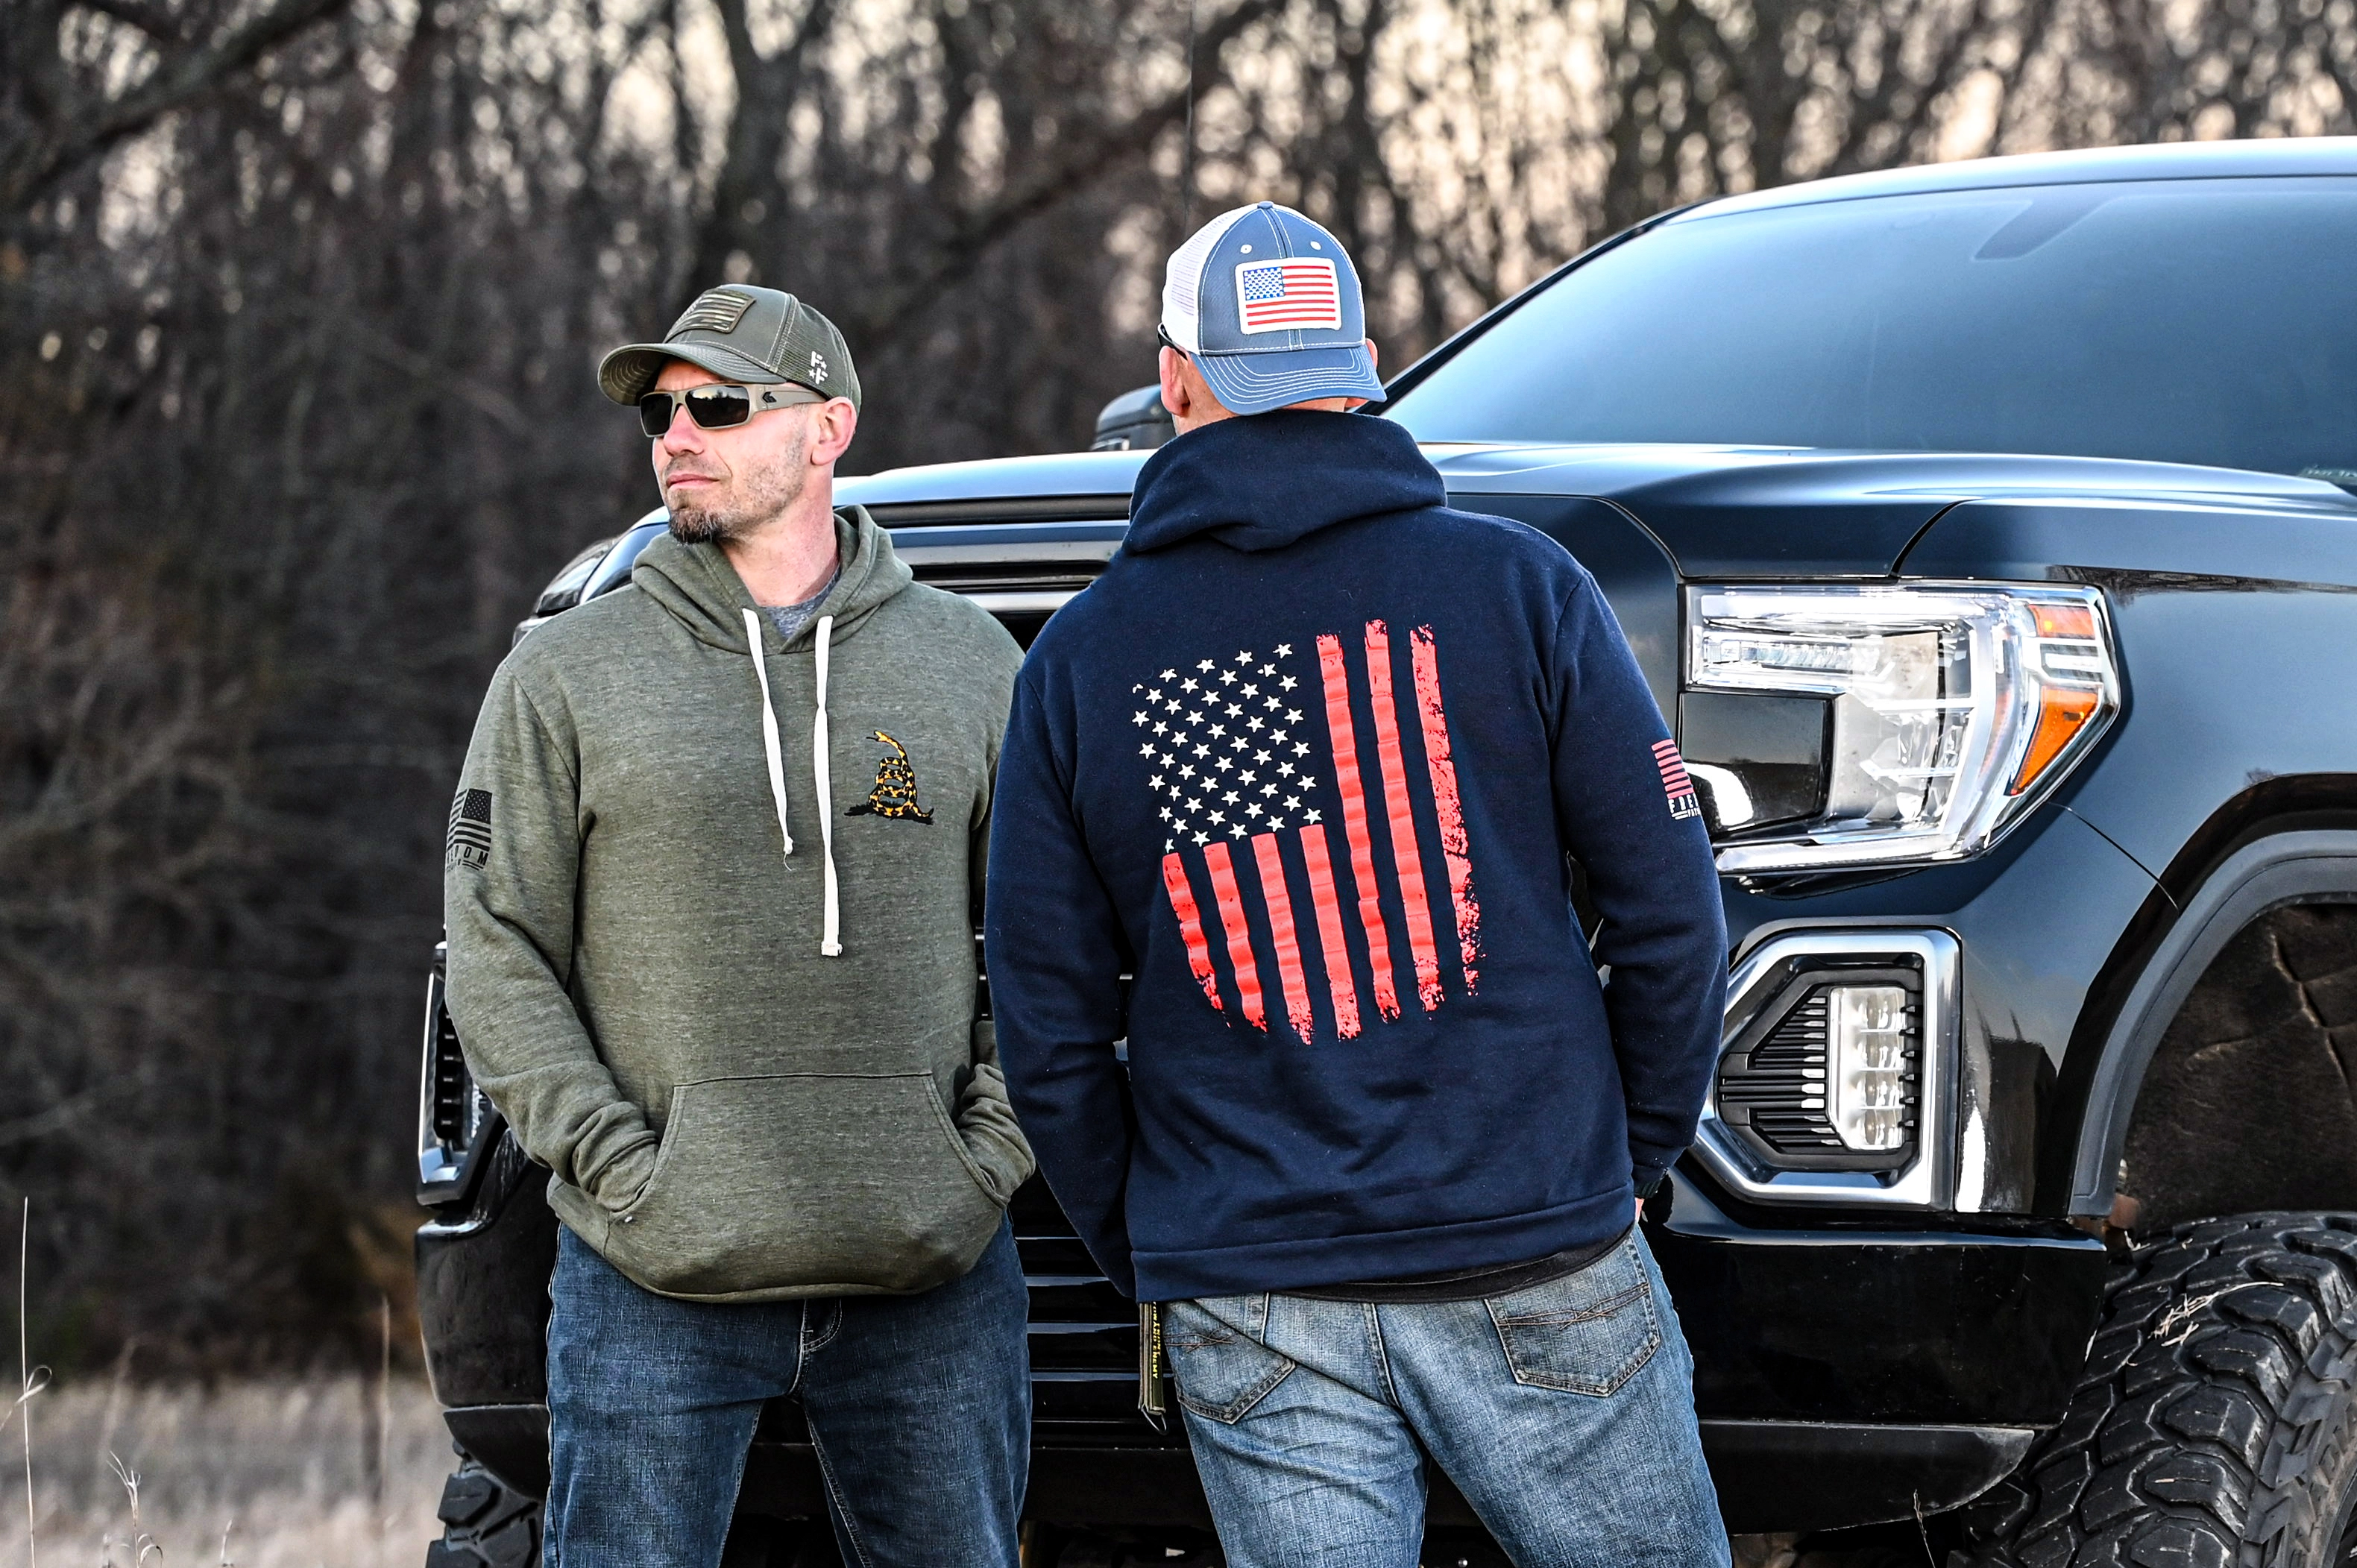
2061, 710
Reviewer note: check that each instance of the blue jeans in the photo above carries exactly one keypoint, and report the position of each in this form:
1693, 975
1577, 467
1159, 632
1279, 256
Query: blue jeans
1564, 1413
920, 1408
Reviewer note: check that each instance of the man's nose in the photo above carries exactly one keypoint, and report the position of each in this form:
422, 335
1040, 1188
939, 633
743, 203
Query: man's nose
684, 435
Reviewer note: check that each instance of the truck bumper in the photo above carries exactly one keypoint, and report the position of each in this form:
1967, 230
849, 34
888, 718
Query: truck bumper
1848, 1373
1771, 1474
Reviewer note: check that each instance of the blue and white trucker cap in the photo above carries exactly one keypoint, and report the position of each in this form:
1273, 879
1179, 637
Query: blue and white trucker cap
1267, 305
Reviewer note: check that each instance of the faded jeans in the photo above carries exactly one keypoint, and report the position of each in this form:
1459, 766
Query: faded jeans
920, 1408
1564, 1413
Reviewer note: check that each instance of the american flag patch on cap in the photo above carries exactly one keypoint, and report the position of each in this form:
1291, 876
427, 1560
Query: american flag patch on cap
714, 310
1293, 294
1674, 782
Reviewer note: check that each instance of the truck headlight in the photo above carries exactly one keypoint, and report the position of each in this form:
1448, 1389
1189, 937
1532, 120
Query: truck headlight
1951, 711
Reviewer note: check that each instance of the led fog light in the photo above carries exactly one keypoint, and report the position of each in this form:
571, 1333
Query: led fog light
1869, 1066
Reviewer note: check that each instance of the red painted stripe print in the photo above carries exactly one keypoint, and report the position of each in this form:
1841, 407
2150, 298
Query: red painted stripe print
1354, 821
1407, 859
1279, 900
1191, 927
1446, 804
1338, 983
1231, 920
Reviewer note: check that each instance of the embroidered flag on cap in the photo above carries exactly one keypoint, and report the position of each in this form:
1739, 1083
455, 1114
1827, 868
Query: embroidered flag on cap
1293, 294
1674, 782
1283, 835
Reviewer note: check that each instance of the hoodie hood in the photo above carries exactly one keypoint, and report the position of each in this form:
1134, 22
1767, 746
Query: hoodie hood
703, 592
1269, 481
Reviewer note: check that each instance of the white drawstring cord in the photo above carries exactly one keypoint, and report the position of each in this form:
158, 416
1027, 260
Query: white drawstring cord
769, 730
829, 943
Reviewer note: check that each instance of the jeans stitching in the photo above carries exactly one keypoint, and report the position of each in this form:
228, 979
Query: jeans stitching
811, 1344
1619, 1376
842, 1509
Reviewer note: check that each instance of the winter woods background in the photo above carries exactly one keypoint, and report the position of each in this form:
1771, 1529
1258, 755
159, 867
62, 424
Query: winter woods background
299, 301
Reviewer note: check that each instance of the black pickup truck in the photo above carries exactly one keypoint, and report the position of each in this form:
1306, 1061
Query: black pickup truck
1988, 531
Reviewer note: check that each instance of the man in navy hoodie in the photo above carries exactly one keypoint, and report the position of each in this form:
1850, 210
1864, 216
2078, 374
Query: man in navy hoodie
1311, 762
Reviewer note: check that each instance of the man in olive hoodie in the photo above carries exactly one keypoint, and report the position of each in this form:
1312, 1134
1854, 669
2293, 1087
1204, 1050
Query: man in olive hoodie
711, 884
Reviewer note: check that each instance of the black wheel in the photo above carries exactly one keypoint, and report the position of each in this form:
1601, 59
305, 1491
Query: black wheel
2216, 1422
484, 1520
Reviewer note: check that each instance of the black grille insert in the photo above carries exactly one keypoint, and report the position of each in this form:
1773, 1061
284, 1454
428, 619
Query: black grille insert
1775, 1078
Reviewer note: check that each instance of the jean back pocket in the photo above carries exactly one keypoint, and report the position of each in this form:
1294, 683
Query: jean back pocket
1217, 1362
1586, 1333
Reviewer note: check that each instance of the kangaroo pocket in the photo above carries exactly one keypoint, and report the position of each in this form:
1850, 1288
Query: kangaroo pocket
805, 1184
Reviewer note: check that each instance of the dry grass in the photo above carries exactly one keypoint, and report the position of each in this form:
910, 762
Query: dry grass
291, 1470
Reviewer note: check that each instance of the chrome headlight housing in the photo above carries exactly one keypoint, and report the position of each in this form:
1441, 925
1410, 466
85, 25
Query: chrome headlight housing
1950, 711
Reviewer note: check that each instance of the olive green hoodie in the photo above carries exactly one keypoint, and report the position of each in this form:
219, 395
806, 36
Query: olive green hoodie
711, 925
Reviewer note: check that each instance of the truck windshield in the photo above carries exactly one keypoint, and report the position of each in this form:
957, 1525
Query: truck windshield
2185, 322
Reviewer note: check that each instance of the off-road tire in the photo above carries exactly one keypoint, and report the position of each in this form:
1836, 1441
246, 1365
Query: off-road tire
2216, 1421
485, 1522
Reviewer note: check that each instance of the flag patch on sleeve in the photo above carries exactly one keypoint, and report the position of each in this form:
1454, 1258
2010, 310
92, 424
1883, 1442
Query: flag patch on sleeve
470, 830
1674, 782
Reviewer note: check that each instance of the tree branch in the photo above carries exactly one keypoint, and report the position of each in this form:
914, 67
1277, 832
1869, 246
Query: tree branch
177, 83
882, 322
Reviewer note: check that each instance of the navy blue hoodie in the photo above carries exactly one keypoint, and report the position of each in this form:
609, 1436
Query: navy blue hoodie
1307, 762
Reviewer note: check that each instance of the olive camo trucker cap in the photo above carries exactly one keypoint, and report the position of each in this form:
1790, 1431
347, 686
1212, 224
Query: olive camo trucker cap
740, 333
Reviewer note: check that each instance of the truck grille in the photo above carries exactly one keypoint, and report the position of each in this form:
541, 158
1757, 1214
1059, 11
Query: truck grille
454, 1119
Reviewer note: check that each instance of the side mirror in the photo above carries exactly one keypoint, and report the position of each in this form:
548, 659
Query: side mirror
1133, 421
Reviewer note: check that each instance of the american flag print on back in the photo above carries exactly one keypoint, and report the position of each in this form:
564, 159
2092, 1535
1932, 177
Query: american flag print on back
1286, 827
1288, 295
1674, 782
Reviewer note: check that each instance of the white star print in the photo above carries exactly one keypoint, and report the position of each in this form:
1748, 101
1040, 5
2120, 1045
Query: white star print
1205, 666
1202, 838
1285, 650
1252, 691
1139, 717
1312, 816
1293, 802
1253, 809
1288, 682
1170, 676
1145, 751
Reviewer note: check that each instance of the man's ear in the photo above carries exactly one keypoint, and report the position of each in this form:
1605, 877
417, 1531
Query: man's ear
832, 428
1174, 389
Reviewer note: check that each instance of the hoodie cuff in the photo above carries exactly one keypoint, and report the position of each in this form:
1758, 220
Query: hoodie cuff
1647, 1180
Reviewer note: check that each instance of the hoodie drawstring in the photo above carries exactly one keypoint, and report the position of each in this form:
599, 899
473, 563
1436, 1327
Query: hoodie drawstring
830, 943
769, 729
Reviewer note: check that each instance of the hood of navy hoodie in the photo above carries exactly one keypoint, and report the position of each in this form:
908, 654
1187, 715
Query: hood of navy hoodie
1272, 479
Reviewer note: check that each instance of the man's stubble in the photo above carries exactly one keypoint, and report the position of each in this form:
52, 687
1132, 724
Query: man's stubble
758, 494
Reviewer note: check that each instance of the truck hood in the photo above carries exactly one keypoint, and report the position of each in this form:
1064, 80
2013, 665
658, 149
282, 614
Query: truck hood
1716, 512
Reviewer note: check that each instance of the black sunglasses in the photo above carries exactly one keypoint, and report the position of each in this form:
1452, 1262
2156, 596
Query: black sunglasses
721, 406
1163, 339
